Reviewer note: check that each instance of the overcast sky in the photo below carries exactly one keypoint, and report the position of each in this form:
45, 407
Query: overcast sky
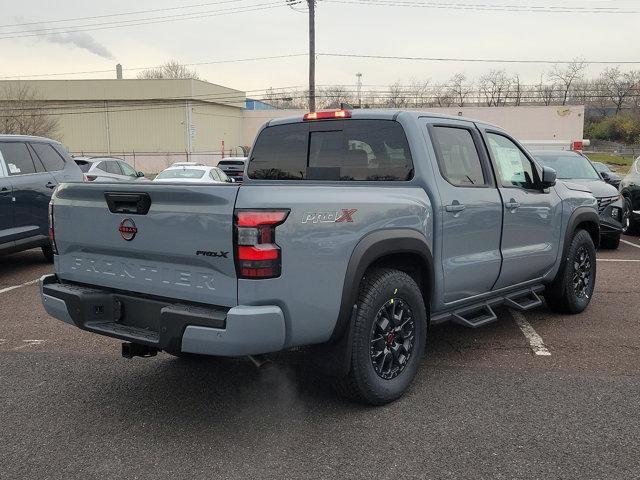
341, 28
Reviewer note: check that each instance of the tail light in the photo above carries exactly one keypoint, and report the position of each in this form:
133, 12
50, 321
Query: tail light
52, 230
257, 254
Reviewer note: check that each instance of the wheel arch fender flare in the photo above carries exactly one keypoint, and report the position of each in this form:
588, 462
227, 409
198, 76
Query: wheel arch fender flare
371, 248
581, 216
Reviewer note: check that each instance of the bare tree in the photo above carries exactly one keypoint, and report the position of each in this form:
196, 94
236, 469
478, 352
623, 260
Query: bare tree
494, 87
582, 91
419, 93
619, 87
459, 89
545, 93
23, 112
397, 96
565, 76
286, 99
517, 90
334, 96
441, 96
169, 70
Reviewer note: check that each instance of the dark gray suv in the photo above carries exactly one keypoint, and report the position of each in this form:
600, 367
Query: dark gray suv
30, 170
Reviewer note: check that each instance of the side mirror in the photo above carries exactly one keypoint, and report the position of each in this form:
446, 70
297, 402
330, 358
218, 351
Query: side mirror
140, 174
605, 176
549, 177
231, 180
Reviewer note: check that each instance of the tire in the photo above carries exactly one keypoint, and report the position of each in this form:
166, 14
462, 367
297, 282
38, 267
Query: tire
629, 226
563, 295
47, 251
384, 291
610, 242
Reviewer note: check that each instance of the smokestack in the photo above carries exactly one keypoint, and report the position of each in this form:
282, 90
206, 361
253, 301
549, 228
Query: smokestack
119, 72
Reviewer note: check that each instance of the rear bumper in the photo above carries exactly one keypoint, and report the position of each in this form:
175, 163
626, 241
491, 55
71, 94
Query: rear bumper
163, 324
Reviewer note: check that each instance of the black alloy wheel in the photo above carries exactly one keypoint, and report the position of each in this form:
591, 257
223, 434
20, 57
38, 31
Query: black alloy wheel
582, 272
392, 338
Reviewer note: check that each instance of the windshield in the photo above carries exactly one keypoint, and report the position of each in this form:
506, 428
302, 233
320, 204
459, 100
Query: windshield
601, 167
181, 173
569, 166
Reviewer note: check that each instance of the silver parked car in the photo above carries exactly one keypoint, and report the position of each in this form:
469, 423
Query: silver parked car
108, 169
193, 174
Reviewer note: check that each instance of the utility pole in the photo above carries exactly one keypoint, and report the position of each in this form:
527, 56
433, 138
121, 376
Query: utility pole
312, 55
359, 77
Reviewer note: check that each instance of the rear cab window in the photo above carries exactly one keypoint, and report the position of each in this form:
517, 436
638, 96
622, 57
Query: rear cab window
336, 150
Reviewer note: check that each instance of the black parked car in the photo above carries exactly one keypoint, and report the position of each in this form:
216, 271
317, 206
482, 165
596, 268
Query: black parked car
233, 167
607, 174
630, 189
30, 169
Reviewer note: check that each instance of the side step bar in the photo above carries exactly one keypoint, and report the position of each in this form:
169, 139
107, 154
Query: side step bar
475, 317
523, 302
481, 313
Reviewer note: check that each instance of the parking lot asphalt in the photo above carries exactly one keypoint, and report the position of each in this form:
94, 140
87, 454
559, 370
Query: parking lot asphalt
483, 405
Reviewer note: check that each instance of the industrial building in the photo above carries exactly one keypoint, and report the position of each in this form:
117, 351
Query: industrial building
150, 123
153, 123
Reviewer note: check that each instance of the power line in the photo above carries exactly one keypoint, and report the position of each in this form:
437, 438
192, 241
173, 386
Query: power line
487, 7
338, 55
176, 16
149, 21
111, 15
212, 62
475, 60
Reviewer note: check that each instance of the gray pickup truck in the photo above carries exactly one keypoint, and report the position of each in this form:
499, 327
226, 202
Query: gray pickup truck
352, 234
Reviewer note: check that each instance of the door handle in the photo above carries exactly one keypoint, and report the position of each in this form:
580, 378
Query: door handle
50, 185
512, 204
455, 207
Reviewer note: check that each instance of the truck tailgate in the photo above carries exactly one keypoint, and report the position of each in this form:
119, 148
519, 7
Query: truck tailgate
181, 248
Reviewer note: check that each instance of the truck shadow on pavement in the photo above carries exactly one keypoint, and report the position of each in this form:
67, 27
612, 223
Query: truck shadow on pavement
219, 392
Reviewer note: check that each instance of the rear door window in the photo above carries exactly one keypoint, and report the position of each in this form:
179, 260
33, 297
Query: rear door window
458, 157
17, 158
51, 159
349, 150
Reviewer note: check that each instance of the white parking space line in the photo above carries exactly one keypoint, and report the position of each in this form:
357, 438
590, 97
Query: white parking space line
630, 243
617, 260
8, 289
535, 340
29, 343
